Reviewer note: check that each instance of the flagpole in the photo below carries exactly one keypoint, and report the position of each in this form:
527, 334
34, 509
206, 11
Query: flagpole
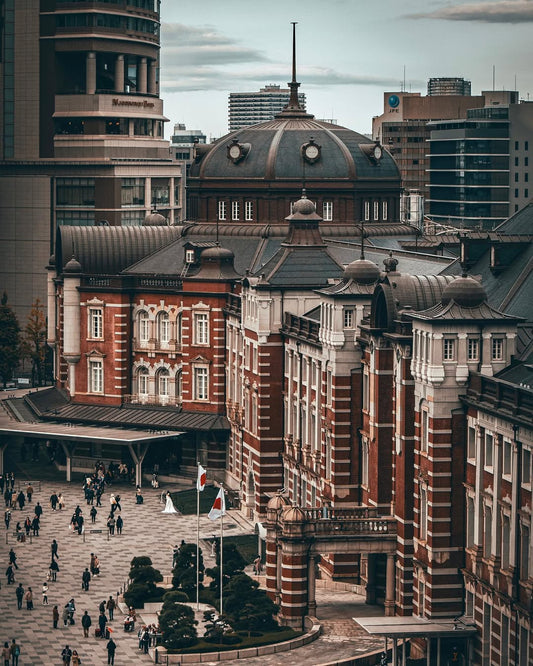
197, 543
221, 554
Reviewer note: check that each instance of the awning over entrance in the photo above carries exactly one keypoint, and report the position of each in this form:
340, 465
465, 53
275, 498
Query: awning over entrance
409, 627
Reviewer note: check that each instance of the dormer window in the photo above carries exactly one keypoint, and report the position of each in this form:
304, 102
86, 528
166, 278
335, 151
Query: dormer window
189, 257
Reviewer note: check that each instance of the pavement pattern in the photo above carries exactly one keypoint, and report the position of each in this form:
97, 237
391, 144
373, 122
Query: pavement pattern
146, 531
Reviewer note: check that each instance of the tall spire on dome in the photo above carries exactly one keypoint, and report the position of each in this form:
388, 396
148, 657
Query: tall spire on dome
293, 108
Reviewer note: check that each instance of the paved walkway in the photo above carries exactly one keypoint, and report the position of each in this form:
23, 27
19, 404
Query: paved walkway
146, 532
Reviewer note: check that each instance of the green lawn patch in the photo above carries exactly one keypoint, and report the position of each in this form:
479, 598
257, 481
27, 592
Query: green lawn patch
268, 638
185, 500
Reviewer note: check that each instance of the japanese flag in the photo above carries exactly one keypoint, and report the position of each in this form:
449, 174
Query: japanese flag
202, 478
219, 507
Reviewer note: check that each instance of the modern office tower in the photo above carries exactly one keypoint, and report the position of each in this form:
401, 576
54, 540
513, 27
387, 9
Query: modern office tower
403, 128
479, 166
449, 86
81, 135
250, 108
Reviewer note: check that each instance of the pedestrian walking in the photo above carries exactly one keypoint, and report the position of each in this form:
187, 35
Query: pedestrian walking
85, 579
76, 661
54, 568
35, 526
99, 492
7, 518
28, 598
20, 595
93, 513
6, 654
15, 652
21, 500
96, 566
117, 503
38, 510
111, 605
29, 492
13, 558
86, 623
53, 548
45, 594
120, 525
27, 525
53, 501
66, 655
101, 607
55, 616
60, 501
111, 524
102, 623
71, 607
111, 647
10, 575
81, 520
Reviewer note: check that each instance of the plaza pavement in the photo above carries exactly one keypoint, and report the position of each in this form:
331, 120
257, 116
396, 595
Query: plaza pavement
146, 532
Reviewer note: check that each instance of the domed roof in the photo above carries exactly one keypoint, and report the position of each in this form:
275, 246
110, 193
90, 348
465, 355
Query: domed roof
362, 271
72, 266
293, 514
279, 150
155, 220
217, 264
465, 291
277, 502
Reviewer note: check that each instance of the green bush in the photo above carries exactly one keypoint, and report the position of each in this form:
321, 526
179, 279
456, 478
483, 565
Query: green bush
173, 597
178, 627
136, 594
141, 561
147, 575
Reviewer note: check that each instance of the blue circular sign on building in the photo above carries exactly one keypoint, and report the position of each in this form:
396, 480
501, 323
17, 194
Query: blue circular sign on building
394, 101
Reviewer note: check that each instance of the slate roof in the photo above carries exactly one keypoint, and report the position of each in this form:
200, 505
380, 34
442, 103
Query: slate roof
51, 405
453, 311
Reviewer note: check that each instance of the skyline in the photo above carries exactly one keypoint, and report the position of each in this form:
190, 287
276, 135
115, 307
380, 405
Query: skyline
208, 52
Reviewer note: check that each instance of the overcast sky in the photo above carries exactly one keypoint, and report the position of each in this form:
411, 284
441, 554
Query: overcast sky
348, 52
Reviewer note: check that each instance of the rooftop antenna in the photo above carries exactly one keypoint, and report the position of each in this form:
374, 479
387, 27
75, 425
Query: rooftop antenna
362, 239
294, 85
404, 88
493, 77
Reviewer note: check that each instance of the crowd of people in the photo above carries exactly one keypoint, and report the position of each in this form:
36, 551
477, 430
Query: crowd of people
94, 487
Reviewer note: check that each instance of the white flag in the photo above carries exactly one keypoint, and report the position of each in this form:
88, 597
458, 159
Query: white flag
202, 478
219, 507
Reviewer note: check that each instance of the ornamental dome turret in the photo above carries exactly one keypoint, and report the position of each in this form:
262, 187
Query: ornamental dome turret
362, 271
155, 220
465, 291
73, 266
277, 502
293, 515
216, 263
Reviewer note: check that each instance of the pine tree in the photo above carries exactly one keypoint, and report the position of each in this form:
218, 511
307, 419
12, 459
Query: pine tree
35, 341
10, 343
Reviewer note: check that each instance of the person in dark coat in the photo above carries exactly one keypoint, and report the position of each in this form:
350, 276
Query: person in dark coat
85, 579
53, 548
35, 526
13, 558
80, 524
20, 595
10, 574
93, 513
86, 623
53, 501
102, 622
120, 525
27, 525
111, 647
54, 568
38, 510
21, 500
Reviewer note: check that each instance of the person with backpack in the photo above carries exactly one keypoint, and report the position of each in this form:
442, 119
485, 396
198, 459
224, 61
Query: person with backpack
15, 652
20, 595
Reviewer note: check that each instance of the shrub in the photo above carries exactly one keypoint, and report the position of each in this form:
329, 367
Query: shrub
141, 561
136, 594
247, 606
147, 575
184, 572
172, 598
178, 627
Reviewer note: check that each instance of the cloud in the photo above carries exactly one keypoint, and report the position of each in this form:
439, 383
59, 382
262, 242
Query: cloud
501, 11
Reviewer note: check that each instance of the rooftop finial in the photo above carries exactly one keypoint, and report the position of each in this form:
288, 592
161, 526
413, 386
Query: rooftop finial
294, 85
362, 239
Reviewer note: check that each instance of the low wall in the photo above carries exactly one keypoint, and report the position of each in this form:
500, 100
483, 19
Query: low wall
161, 656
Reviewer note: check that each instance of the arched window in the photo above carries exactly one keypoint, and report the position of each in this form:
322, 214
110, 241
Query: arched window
142, 381
178, 328
163, 383
144, 326
179, 385
163, 328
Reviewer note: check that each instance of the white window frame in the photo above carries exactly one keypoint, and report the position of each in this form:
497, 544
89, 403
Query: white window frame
143, 380
448, 349
248, 211
201, 328
384, 210
201, 383
487, 531
366, 211
96, 323
506, 541
163, 383
424, 430
473, 349
507, 458
489, 450
327, 211
163, 328
471, 443
365, 457
376, 210
222, 210
96, 375
348, 317
143, 321
497, 349
526, 467
423, 523
235, 210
